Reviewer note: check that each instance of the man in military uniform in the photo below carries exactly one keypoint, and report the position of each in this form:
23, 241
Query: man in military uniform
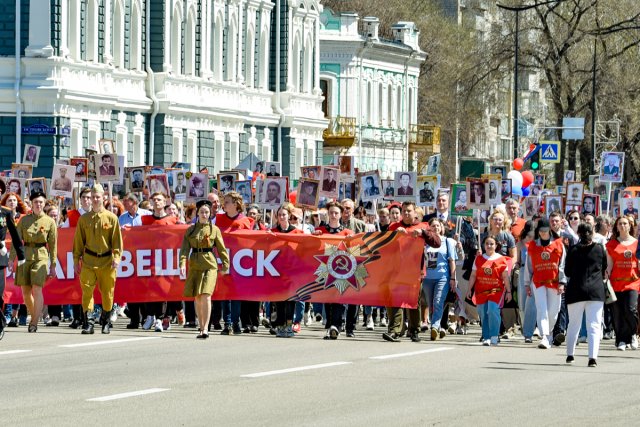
39, 235
97, 250
6, 223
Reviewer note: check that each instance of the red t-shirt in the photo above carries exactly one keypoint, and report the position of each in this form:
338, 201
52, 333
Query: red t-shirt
225, 223
154, 220
624, 275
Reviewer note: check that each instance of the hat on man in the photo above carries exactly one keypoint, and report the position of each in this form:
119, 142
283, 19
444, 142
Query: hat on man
201, 203
36, 194
97, 188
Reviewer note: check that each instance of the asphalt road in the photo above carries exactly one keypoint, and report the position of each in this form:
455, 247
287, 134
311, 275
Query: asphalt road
60, 377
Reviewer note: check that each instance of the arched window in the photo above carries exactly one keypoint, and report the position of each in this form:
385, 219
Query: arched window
190, 44
176, 39
307, 74
249, 57
216, 47
381, 118
135, 51
118, 35
370, 118
91, 49
399, 119
295, 63
232, 44
390, 119
73, 29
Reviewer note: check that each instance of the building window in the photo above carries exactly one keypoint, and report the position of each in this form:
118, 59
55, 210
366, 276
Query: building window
307, 73
369, 103
399, 119
118, 35
311, 152
234, 150
91, 50
216, 46
391, 121
249, 59
176, 154
122, 143
190, 44
381, 118
264, 62
73, 29
266, 146
138, 147
135, 51
324, 87
232, 43
76, 144
218, 161
94, 135
192, 150
176, 39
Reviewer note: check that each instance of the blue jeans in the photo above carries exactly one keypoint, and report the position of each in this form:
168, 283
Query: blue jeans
231, 312
489, 313
527, 306
436, 292
298, 312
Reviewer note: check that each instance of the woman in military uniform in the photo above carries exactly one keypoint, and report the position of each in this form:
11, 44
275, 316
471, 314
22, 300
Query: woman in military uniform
39, 234
197, 245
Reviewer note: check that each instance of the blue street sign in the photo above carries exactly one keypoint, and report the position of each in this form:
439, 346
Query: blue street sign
65, 131
39, 129
550, 151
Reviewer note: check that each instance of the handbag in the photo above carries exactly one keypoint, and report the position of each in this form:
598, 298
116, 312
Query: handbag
609, 293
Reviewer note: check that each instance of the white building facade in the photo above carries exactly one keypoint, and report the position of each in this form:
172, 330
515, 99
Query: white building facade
372, 82
199, 81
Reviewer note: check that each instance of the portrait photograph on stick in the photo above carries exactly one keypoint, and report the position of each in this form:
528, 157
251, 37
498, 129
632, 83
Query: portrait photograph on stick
553, 203
106, 146
81, 168
21, 170
428, 186
274, 192
197, 187
244, 189
590, 204
31, 154
330, 182
404, 185
369, 183
308, 193
611, 166
107, 168
158, 183
36, 185
477, 190
575, 191
62, 180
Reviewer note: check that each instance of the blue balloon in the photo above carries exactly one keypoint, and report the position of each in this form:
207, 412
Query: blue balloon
526, 191
517, 191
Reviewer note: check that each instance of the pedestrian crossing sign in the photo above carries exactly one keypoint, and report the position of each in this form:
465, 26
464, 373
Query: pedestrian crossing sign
550, 151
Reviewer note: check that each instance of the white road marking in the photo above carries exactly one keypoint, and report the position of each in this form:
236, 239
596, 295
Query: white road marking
412, 353
2, 353
128, 394
87, 344
300, 368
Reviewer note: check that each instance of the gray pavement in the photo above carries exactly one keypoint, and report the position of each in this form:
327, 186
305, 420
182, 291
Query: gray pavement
230, 380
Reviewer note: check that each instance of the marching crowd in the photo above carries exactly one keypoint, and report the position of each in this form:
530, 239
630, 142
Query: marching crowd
549, 276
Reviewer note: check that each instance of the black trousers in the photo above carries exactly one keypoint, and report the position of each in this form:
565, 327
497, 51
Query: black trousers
250, 313
284, 310
54, 310
352, 317
625, 316
334, 314
135, 309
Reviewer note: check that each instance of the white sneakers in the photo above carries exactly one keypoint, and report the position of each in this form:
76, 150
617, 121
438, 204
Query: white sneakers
544, 344
634, 342
158, 325
151, 320
370, 324
486, 342
494, 341
621, 346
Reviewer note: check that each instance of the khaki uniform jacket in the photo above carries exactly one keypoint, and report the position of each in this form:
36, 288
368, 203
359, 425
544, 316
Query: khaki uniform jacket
203, 236
99, 233
38, 229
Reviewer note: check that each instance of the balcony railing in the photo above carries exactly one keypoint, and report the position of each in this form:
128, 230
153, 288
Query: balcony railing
341, 132
424, 139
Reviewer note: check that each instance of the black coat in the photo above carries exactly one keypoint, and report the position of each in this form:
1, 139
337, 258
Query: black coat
585, 267
7, 223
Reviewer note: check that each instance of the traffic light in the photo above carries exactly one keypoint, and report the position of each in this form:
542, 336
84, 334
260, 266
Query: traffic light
535, 160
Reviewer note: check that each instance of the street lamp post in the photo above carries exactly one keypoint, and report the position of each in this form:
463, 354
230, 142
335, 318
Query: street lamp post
517, 10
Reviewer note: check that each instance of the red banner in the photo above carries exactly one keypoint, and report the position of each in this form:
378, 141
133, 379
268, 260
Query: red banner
378, 269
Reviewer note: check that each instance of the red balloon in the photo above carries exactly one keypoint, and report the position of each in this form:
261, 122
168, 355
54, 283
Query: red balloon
527, 179
292, 196
518, 163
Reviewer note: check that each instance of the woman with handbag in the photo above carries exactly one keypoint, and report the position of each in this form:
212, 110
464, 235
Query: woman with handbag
440, 277
490, 283
622, 257
544, 277
585, 267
